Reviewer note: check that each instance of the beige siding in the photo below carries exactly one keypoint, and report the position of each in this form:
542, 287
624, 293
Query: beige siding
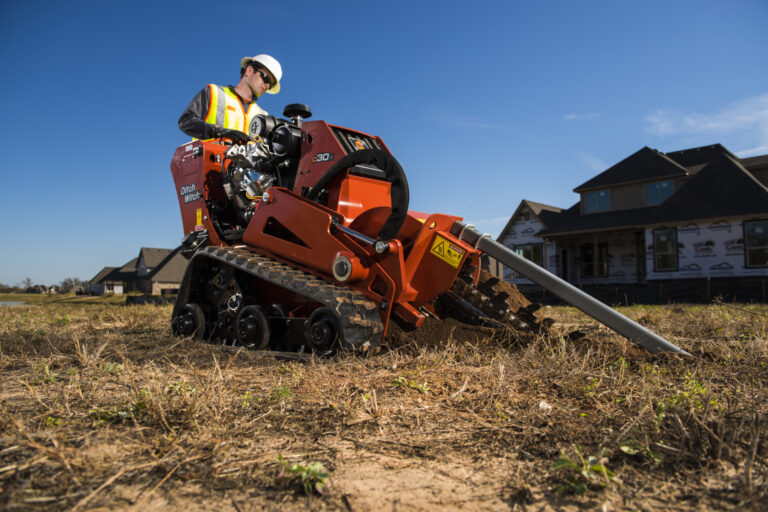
625, 197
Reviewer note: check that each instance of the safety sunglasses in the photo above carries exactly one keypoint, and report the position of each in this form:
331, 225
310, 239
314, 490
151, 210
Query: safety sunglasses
265, 78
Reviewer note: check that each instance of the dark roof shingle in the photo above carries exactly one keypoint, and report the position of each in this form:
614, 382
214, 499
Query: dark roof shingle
697, 156
171, 270
153, 256
643, 165
723, 188
103, 273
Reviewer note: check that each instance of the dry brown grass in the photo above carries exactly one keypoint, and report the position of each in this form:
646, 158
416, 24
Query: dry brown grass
102, 409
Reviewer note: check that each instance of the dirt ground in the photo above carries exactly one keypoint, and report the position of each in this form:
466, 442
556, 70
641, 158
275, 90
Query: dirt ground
102, 409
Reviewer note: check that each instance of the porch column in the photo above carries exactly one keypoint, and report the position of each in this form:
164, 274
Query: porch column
594, 258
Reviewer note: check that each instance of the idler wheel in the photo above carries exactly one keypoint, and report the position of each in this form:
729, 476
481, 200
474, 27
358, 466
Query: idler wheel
189, 322
322, 331
252, 328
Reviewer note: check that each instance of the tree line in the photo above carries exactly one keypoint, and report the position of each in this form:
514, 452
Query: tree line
67, 285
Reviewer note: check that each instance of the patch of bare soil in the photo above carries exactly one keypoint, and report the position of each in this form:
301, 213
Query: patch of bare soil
101, 409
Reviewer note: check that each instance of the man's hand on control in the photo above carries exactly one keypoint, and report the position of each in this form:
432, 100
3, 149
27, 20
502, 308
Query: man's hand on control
234, 135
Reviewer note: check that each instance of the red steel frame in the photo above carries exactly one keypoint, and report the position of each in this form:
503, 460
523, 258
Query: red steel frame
402, 280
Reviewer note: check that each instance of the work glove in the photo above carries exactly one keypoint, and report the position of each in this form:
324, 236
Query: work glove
235, 136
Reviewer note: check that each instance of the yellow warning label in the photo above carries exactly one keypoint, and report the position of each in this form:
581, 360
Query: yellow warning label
199, 213
446, 251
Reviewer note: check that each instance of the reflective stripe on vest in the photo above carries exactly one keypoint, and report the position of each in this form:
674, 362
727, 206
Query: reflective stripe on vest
226, 111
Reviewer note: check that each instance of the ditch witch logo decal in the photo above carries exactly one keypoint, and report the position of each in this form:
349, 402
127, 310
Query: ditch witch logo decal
189, 193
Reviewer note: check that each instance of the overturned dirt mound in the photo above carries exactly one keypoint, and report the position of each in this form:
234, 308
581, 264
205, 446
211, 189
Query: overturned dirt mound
435, 333
515, 298
438, 331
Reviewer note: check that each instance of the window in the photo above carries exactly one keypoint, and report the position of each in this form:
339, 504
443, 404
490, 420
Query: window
531, 252
756, 243
588, 260
657, 193
665, 250
597, 201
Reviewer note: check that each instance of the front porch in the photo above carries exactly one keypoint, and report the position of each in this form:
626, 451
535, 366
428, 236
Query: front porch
593, 259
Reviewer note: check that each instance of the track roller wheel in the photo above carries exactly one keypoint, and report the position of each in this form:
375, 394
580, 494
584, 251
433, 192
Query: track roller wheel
322, 331
189, 322
252, 328
278, 320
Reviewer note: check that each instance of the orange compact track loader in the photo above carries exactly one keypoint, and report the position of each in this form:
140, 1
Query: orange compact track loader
301, 240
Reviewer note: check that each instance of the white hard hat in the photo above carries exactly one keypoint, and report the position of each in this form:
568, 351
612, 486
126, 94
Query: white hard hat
270, 64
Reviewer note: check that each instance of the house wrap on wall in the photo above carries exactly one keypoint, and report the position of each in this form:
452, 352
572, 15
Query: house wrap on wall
653, 217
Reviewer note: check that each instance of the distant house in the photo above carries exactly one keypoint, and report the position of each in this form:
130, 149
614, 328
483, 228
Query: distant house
159, 271
699, 213
521, 234
128, 274
153, 271
106, 282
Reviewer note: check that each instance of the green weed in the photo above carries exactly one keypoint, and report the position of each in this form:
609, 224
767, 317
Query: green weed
632, 447
402, 382
583, 472
63, 321
181, 387
113, 368
282, 393
137, 410
52, 421
45, 375
313, 476
589, 389
500, 412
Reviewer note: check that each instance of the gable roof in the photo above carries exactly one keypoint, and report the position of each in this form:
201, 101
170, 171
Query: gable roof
171, 270
695, 157
152, 256
722, 188
130, 266
571, 221
541, 210
643, 165
102, 274
537, 208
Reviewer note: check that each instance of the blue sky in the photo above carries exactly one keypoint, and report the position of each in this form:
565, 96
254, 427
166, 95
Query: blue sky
484, 103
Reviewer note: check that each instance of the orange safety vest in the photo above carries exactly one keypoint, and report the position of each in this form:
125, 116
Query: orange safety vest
225, 110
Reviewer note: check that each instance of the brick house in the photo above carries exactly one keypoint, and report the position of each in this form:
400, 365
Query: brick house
160, 271
154, 271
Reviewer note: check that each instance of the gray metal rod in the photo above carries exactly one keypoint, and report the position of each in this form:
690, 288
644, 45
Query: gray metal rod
566, 291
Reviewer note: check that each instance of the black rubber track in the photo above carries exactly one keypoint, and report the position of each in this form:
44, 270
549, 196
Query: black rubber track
358, 318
